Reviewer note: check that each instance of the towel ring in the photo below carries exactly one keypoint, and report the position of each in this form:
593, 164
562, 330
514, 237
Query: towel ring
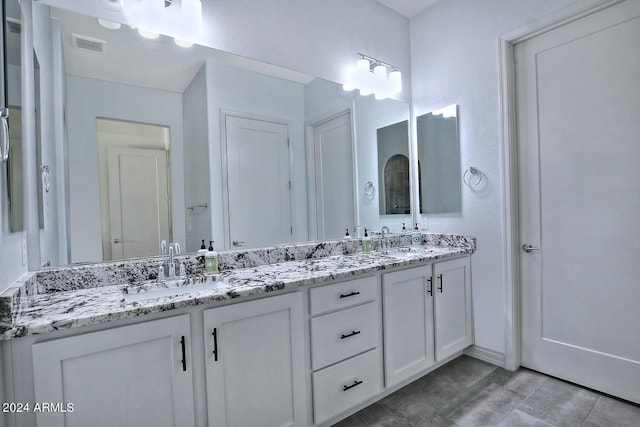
472, 177
369, 189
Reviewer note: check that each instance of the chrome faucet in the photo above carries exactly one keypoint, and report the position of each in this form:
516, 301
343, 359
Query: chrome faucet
384, 243
174, 249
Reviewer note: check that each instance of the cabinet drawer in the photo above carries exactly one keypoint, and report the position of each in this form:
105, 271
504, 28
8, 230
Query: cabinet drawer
341, 295
342, 386
343, 334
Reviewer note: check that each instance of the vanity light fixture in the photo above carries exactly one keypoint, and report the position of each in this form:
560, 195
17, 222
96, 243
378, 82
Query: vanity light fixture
374, 76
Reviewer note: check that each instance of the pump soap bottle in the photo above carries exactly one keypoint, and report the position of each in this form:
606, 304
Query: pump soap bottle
210, 260
366, 242
416, 236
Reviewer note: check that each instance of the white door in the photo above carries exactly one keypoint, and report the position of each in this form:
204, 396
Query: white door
138, 201
136, 376
258, 182
255, 364
579, 149
334, 177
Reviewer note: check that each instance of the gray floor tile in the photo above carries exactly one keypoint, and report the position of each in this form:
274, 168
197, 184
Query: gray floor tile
484, 404
560, 403
433, 420
376, 415
518, 418
611, 412
465, 370
422, 398
523, 381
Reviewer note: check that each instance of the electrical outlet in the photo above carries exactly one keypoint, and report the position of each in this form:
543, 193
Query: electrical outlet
24, 248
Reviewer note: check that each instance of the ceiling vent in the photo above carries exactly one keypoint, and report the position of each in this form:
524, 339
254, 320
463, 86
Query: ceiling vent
88, 43
14, 25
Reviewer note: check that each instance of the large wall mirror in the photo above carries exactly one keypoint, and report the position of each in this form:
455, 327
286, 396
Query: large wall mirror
439, 161
191, 144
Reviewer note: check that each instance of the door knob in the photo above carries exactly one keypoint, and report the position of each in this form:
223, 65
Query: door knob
528, 248
237, 243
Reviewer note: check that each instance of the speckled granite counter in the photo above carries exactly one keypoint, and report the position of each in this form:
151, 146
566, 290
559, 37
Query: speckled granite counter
71, 297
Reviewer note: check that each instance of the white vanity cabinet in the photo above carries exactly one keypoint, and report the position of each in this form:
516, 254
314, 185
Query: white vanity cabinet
427, 317
137, 375
255, 363
345, 346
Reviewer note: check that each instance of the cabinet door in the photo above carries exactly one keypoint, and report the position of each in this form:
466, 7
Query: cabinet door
408, 323
255, 363
127, 376
452, 306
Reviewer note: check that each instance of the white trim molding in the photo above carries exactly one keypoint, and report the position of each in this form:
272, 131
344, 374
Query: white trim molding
506, 75
486, 355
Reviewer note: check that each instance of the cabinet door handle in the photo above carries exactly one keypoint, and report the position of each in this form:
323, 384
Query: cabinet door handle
349, 294
348, 387
215, 344
352, 333
430, 290
184, 354
440, 279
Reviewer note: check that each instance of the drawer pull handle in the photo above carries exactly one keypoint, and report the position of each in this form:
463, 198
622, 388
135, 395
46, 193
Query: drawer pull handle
430, 290
343, 336
215, 344
441, 281
184, 354
347, 387
349, 294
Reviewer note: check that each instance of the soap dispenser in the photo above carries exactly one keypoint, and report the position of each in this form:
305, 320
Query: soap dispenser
210, 260
366, 242
416, 236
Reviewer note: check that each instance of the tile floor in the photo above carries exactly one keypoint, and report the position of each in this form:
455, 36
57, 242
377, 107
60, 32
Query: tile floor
470, 392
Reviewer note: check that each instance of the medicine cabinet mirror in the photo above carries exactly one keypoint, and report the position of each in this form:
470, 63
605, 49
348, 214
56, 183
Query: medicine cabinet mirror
439, 161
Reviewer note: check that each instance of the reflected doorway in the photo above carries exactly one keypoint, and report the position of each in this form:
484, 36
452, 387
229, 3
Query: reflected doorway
134, 188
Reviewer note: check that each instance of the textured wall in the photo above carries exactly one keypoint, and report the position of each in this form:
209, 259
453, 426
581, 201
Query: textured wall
454, 52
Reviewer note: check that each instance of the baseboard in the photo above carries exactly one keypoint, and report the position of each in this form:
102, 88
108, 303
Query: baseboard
485, 355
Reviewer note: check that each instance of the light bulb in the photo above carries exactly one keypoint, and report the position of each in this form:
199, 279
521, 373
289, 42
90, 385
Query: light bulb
109, 24
148, 34
183, 43
395, 82
112, 5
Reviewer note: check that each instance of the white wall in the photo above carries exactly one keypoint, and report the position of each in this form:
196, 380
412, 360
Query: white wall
454, 52
87, 100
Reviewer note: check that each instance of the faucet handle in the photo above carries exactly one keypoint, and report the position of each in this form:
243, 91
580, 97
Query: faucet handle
177, 249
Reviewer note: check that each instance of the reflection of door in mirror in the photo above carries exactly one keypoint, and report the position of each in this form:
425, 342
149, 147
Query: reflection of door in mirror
393, 169
134, 195
258, 182
439, 159
334, 178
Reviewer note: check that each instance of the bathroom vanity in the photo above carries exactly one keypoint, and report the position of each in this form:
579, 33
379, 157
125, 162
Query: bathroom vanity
320, 333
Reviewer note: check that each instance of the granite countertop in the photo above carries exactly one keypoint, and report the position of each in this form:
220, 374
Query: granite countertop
52, 311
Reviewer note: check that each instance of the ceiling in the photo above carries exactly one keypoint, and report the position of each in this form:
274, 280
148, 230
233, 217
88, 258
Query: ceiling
408, 8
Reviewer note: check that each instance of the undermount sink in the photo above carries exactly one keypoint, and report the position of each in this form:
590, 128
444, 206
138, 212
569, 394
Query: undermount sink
403, 252
172, 287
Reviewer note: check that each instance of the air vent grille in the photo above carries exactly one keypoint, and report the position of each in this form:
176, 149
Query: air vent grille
88, 43
14, 25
